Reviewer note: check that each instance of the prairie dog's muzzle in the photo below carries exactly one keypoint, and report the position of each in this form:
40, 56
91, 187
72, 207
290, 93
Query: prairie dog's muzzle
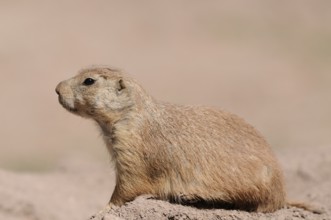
66, 96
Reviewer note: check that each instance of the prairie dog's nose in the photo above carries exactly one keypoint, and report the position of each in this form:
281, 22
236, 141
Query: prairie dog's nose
63, 89
57, 89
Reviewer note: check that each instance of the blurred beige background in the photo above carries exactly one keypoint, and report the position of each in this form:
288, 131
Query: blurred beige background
268, 61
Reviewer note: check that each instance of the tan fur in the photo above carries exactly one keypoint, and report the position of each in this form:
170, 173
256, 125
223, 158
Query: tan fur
173, 152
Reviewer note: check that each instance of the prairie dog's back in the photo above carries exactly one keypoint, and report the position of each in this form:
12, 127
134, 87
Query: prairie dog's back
210, 150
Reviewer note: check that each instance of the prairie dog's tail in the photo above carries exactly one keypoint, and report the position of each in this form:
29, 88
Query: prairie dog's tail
305, 206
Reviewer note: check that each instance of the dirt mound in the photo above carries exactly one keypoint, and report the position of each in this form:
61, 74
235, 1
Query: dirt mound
143, 208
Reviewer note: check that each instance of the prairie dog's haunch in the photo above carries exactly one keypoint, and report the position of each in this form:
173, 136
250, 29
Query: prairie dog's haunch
173, 152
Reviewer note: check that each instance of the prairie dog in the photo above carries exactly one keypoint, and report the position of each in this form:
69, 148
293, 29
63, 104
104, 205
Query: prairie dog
180, 153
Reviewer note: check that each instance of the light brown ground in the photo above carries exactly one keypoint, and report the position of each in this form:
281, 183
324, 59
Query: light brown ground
80, 187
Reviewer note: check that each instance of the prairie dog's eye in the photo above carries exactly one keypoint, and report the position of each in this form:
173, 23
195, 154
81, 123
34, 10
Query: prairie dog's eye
88, 81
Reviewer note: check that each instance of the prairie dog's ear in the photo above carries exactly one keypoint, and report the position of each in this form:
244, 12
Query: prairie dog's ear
120, 85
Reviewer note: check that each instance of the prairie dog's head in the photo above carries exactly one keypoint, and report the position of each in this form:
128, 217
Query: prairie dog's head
96, 92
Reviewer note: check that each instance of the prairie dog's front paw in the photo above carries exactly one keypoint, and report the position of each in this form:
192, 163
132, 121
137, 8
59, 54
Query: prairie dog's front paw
101, 214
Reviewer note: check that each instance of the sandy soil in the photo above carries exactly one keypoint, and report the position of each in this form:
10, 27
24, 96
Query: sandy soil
80, 187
